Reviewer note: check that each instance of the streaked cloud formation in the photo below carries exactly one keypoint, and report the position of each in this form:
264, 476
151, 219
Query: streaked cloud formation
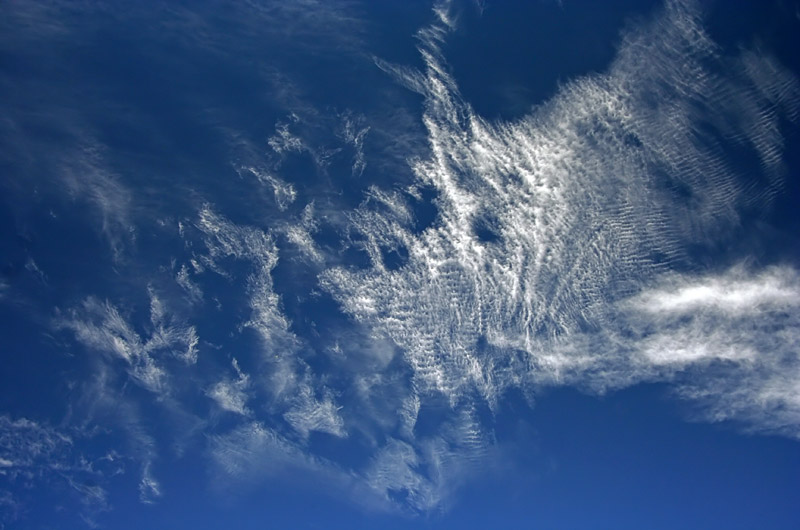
562, 252
35, 455
100, 326
550, 259
736, 335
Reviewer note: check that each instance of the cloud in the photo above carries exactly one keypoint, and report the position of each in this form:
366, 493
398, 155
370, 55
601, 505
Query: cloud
734, 293
100, 326
253, 450
549, 262
308, 413
231, 394
149, 488
545, 222
52, 150
295, 392
734, 339
312, 25
193, 291
168, 334
420, 474
353, 132
76, 169
104, 407
25, 444
394, 472
224, 239
87, 178
236, 451
763, 398
560, 254
284, 192
36, 456
284, 141
300, 235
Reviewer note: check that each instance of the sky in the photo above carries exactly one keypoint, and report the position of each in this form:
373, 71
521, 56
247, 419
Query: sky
348, 264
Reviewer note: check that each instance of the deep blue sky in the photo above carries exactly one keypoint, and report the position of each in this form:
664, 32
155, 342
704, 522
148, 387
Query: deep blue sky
399, 264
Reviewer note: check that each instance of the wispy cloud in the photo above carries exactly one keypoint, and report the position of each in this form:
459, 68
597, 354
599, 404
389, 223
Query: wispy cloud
734, 338
734, 293
254, 452
231, 394
25, 443
86, 178
52, 149
288, 379
184, 279
103, 407
353, 132
308, 413
34, 455
100, 326
284, 141
149, 488
549, 259
283, 192
559, 255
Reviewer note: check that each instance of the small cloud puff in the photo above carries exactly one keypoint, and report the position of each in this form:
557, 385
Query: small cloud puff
231, 394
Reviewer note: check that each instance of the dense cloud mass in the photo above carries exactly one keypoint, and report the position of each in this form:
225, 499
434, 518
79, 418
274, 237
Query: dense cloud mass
562, 252
556, 231
554, 256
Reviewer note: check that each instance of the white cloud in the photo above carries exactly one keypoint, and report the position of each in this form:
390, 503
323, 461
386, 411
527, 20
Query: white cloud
231, 394
33, 456
548, 261
251, 450
570, 197
100, 326
353, 132
286, 377
176, 337
284, 192
109, 408
307, 413
734, 293
735, 336
548, 264
86, 177
283, 141
300, 235
394, 471
149, 487
183, 278
26, 444
764, 398
226, 239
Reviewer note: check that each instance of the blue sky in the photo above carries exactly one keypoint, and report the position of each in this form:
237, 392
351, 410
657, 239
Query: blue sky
399, 264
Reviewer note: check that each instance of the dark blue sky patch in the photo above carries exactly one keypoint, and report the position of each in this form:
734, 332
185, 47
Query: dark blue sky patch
424, 208
394, 257
528, 50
